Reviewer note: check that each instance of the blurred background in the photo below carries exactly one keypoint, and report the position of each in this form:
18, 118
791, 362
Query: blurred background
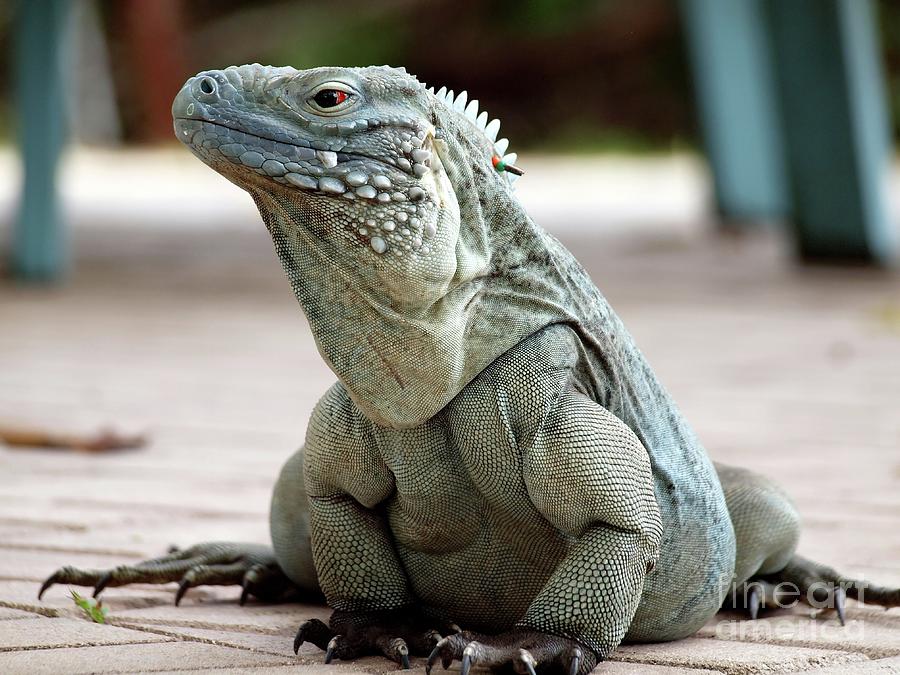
735, 111
582, 76
725, 170
750, 109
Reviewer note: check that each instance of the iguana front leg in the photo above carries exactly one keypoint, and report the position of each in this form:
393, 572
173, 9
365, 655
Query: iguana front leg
375, 611
590, 477
358, 570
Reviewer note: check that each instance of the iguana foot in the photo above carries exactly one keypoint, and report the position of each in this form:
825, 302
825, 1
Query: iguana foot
808, 582
823, 588
251, 566
525, 652
774, 592
395, 634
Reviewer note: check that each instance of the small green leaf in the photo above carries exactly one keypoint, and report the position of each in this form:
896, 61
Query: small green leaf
94, 609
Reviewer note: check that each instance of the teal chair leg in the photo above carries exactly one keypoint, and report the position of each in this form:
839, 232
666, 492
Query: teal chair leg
38, 246
833, 111
736, 98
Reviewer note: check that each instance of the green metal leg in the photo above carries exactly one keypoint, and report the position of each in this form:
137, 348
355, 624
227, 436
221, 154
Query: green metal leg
833, 111
730, 55
39, 249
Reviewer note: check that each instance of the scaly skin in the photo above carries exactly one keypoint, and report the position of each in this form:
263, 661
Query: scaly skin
496, 453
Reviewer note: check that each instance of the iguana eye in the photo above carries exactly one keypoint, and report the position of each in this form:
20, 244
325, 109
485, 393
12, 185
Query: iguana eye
330, 98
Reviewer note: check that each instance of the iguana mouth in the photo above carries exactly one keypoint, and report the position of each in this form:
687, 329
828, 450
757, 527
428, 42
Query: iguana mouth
322, 155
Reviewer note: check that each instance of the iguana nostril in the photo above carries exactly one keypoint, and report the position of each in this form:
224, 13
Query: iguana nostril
208, 85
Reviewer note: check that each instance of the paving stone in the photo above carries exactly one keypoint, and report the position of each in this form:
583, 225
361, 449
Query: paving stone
334, 667
147, 537
115, 499
625, 668
277, 644
226, 615
42, 633
737, 658
58, 602
133, 658
369, 666
6, 614
33, 565
280, 644
889, 666
875, 636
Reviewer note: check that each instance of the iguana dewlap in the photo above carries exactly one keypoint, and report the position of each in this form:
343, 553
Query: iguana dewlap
497, 476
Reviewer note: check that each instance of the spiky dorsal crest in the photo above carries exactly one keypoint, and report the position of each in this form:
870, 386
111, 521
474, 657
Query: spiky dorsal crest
490, 129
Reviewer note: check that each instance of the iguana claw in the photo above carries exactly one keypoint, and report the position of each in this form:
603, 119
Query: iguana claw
467, 660
183, 586
332, 645
404, 656
104, 582
840, 598
753, 603
577, 658
524, 663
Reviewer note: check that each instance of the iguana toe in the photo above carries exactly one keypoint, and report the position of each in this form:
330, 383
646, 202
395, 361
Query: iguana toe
70, 575
333, 645
314, 631
824, 588
154, 571
396, 650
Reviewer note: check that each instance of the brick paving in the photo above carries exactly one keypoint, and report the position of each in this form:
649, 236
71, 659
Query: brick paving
190, 334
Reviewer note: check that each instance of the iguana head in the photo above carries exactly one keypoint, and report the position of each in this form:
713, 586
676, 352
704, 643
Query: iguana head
381, 197
350, 154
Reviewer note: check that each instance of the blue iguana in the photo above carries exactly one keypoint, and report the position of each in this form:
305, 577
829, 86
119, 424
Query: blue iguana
497, 476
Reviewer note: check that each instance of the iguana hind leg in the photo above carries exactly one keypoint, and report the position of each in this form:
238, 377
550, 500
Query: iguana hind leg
766, 529
768, 573
211, 564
